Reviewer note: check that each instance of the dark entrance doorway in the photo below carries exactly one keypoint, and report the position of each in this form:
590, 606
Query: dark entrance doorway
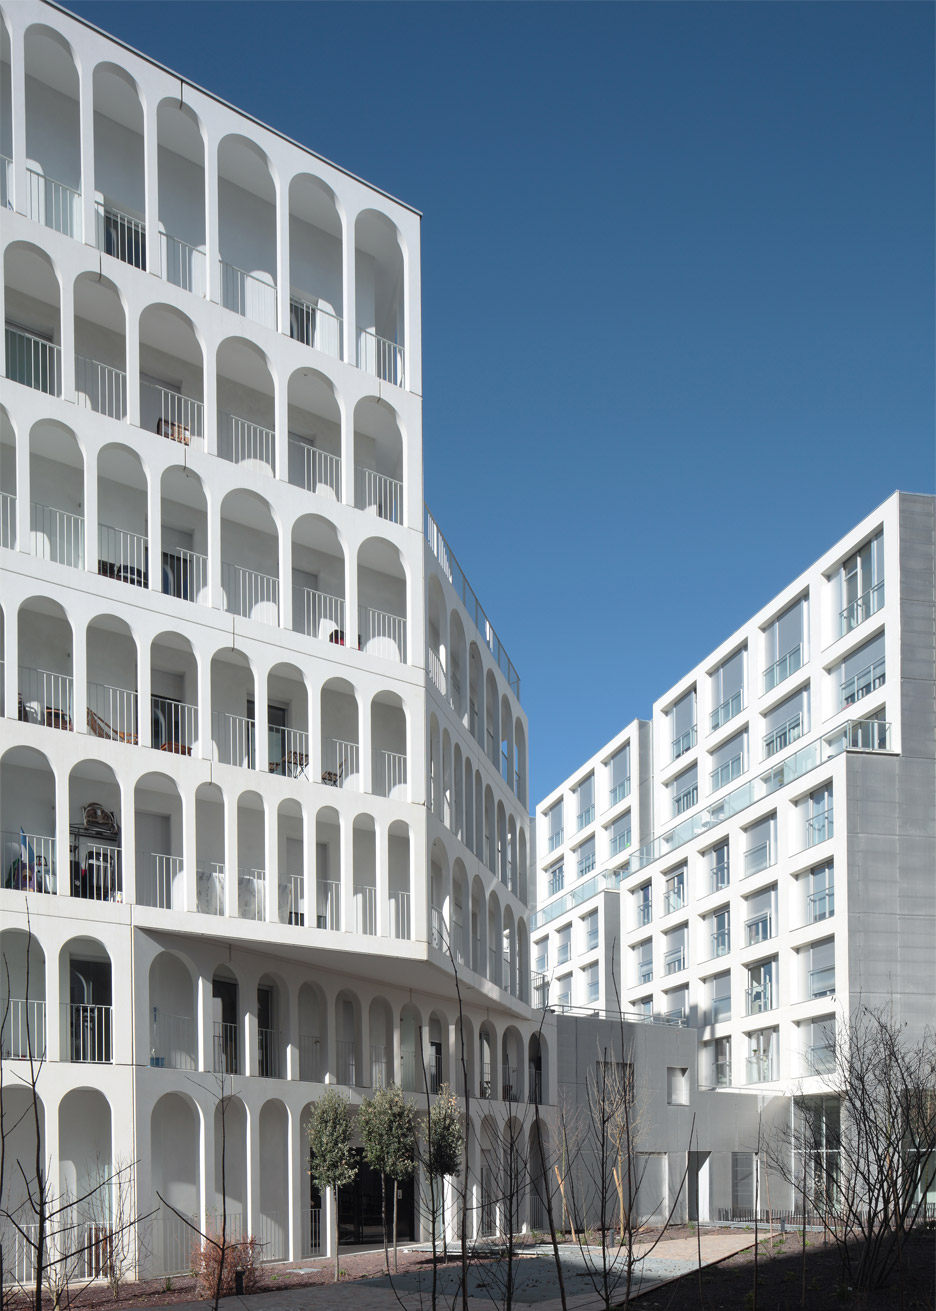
359, 1218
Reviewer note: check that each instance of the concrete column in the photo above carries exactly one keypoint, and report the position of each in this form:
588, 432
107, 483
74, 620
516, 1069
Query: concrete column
62, 867
363, 1072
23, 483
11, 663
67, 337
271, 864
133, 370
397, 1049
285, 578
128, 846
206, 1150
204, 706
253, 1162
261, 723
314, 695
347, 872
154, 528
56, 1025
18, 99
282, 257
297, 1189
80, 679
151, 192
351, 599
381, 841
212, 228
86, 131
205, 1022
230, 857
347, 454
90, 511
348, 290
365, 751
210, 398
189, 851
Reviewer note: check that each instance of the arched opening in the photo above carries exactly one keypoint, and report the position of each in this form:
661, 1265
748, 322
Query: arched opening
89, 1177
174, 723
379, 283
172, 1014
318, 580
27, 812
46, 685
7, 484
247, 230
112, 712
487, 1063
388, 744
209, 849
158, 838
348, 1038
538, 1069
492, 718
251, 857
226, 1022
246, 405
380, 1025
341, 764
87, 1022
523, 961
184, 532
412, 1074
272, 1224
382, 602
502, 863
19, 1114
287, 722
290, 850
475, 694
435, 766
56, 490
230, 1168
95, 844
436, 636
458, 793
249, 557
465, 1055
521, 762
446, 778
119, 167
490, 830
460, 913
378, 460
438, 1054
509, 950
100, 347
313, 1033
272, 1027
458, 663
495, 942
22, 998
53, 142
507, 744
33, 319
123, 552
180, 159
315, 300
512, 1065
174, 1154
364, 865
314, 420
399, 879
438, 896
478, 927
327, 869
232, 718
172, 385
469, 836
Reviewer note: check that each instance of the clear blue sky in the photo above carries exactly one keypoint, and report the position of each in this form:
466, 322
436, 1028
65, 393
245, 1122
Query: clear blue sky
678, 294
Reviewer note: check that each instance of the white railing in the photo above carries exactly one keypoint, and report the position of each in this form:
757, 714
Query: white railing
242, 439
57, 535
28, 862
251, 893
121, 235
289, 752
180, 418
724, 774
250, 594
381, 1065
381, 633
209, 889
782, 669
619, 792
53, 204
759, 928
7, 520
317, 469
674, 960
821, 905
381, 357
112, 713
436, 671
268, 1053
862, 608
862, 735
184, 574
247, 294
166, 870
226, 1044
89, 1032
315, 326
172, 1041
235, 738
272, 1233
438, 930
727, 710
23, 1029
377, 491
721, 942
47, 698
310, 1058
295, 909
685, 742
99, 880
173, 1243
758, 857
820, 827
123, 555
101, 387
345, 1053
394, 771
365, 909
865, 681
175, 725
182, 264
319, 614
341, 764
400, 915
311, 1236
328, 905
758, 999
33, 361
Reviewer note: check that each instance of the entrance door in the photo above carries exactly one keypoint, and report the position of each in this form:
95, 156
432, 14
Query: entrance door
359, 1216
698, 1186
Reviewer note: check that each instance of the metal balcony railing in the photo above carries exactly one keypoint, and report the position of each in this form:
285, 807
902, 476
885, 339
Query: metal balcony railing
381, 1065
867, 680
783, 668
821, 905
7, 520
760, 1069
185, 574
685, 742
268, 1054
719, 876
377, 491
178, 418
727, 710
721, 942
121, 235
341, 768
758, 999
365, 909
862, 735
318, 469
784, 735
46, 698
683, 801
400, 915
174, 725
123, 555
644, 913
381, 357
726, 773
319, 614
112, 713
251, 893
22, 1029
288, 752
556, 882
314, 325
311, 1066
99, 879
674, 960
644, 971
555, 839
619, 792
57, 535
586, 815
249, 295
820, 827
393, 772
167, 870
720, 1009
328, 905
585, 864
33, 361
250, 594
89, 1029
28, 862
862, 608
235, 739
759, 928
674, 899
722, 1070
485, 1088
172, 1040
226, 1048
758, 857
620, 842
347, 1062
381, 633
53, 204
821, 982
101, 387
209, 889
242, 439
183, 264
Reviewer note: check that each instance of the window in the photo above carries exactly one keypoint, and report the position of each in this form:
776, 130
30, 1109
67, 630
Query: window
564, 992
619, 775
719, 871
819, 1044
760, 845
541, 956
674, 894
644, 904
682, 724
684, 790
644, 1006
820, 898
643, 956
728, 762
719, 989
674, 950
619, 834
786, 723
554, 826
728, 689
761, 992
555, 879
760, 913
590, 982
743, 1166
677, 1085
862, 672
819, 817
564, 945
784, 645
762, 1055
585, 801
590, 930
721, 1062
820, 969
720, 929
676, 1003
862, 585
585, 854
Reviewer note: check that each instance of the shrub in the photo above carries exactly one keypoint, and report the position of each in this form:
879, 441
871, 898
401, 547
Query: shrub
241, 1255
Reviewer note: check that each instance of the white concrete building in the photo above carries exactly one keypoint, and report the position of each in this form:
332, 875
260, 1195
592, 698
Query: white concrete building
758, 855
261, 751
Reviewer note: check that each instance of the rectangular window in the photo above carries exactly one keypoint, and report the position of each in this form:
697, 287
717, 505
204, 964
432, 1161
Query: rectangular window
761, 992
719, 869
762, 1056
760, 916
674, 894
720, 929
720, 997
862, 672
722, 1062
728, 762
564, 945
585, 801
819, 1044
619, 775
784, 645
676, 1004
555, 879
743, 1166
820, 980
619, 834
862, 585
728, 689
684, 790
590, 982
674, 951
786, 723
643, 955
541, 956
585, 857
760, 845
554, 826
677, 1085
819, 820
564, 992
682, 724
644, 903
590, 931
820, 899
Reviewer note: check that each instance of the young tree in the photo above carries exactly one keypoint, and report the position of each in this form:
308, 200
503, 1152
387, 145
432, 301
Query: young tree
442, 1155
333, 1164
387, 1125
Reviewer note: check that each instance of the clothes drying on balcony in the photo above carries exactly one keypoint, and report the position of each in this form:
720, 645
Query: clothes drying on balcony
99, 727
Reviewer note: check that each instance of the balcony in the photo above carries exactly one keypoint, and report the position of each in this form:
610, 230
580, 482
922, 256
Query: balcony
209, 889
759, 928
178, 418
346, 1062
861, 735
328, 913
722, 1072
392, 772
365, 909
591, 939
288, 752
783, 668
685, 742
381, 633
46, 698
123, 556
720, 1008
167, 870
383, 358
673, 961
644, 913
683, 801
556, 883
241, 439
251, 893
319, 614
53, 204
586, 816
183, 264
89, 1029
760, 1068
99, 877
314, 325
23, 1030
620, 842
234, 737
758, 858
184, 574
719, 877
821, 983
862, 608
101, 387
585, 864
674, 899
57, 535
400, 917
250, 594
252, 297
758, 999
726, 773
121, 235
112, 713
819, 827
226, 1048
820, 906
381, 1067
310, 1058
485, 1088
33, 361
619, 792
783, 736
377, 491
28, 862
862, 684
172, 1041
727, 710
317, 469
341, 767
269, 1043
174, 725
7, 520
555, 839
721, 942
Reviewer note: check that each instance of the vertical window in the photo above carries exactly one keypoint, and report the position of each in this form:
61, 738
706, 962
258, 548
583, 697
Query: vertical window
619, 775
760, 916
728, 762
644, 903
677, 1085
684, 790
762, 1056
590, 982
863, 672
743, 1166
862, 585
643, 955
564, 945
784, 645
682, 724
719, 871
674, 895
674, 950
590, 931
819, 820
762, 990
585, 857
721, 932
786, 723
820, 899
585, 801
728, 689
554, 826
820, 965
619, 834
720, 997
760, 845
555, 879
